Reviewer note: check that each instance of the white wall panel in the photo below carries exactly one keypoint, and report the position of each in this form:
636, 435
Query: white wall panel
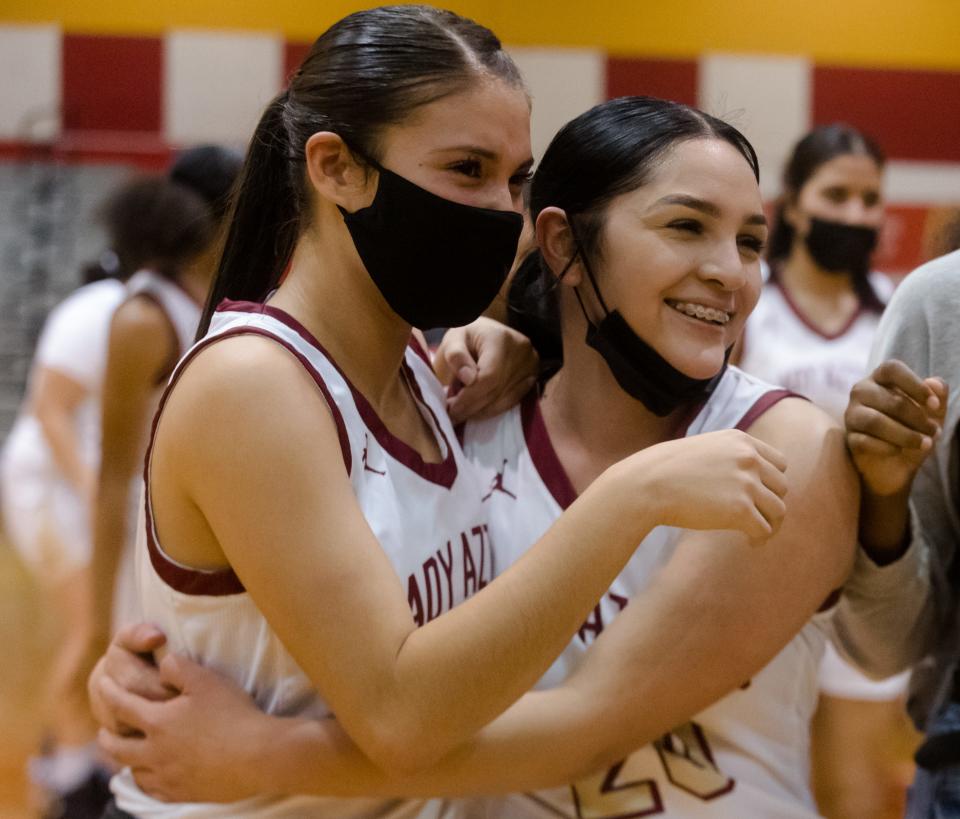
30, 64
217, 83
563, 83
927, 183
768, 98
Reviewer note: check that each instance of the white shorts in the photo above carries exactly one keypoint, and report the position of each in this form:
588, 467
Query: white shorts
843, 680
46, 520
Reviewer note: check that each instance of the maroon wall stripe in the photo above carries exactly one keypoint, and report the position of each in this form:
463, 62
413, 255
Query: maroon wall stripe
669, 79
92, 148
112, 83
912, 114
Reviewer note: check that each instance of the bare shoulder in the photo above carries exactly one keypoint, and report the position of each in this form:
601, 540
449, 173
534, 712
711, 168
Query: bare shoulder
138, 318
819, 469
142, 343
823, 497
796, 423
245, 405
244, 380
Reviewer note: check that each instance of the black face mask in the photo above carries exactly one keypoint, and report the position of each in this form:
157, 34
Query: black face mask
639, 369
437, 263
840, 248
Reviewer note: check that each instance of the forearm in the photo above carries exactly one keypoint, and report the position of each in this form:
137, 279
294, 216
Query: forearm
884, 525
540, 603
681, 659
60, 434
533, 745
886, 619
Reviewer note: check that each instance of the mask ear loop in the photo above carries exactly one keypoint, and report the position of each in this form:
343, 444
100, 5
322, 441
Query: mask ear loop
593, 282
369, 160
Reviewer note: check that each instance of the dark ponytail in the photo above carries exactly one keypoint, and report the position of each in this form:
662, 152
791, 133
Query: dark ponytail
371, 69
263, 222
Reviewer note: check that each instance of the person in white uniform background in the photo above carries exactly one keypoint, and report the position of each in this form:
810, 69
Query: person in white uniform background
47, 482
648, 216
174, 241
812, 332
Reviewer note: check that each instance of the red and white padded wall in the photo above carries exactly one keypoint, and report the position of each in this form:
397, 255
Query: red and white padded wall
134, 98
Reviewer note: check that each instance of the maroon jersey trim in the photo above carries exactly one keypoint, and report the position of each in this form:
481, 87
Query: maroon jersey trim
545, 457
547, 462
542, 453
806, 322
442, 473
220, 582
762, 404
417, 347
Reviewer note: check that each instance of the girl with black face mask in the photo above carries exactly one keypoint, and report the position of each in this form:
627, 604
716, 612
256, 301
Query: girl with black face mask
812, 332
813, 326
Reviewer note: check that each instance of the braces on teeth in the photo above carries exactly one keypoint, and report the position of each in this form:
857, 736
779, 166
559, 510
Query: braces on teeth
701, 312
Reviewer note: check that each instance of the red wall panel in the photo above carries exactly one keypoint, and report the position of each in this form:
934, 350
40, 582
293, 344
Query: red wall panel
669, 79
912, 114
112, 83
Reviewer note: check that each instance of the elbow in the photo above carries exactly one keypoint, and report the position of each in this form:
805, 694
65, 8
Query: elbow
401, 747
599, 729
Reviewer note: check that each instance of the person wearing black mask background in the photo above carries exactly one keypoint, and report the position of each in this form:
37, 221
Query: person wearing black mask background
811, 333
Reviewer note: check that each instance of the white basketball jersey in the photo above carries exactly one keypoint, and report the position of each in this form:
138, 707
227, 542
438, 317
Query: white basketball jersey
428, 518
782, 346
745, 756
178, 305
73, 342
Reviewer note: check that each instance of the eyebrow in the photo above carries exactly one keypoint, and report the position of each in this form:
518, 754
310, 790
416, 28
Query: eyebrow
705, 207
486, 153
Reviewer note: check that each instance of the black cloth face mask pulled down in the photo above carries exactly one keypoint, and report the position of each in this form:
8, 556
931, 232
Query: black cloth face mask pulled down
840, 248
638, 368
437, 263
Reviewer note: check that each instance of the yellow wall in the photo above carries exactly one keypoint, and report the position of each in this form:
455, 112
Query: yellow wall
908, 33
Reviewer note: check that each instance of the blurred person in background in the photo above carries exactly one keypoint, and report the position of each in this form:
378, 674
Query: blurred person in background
48, 471
812, 332
176, 248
